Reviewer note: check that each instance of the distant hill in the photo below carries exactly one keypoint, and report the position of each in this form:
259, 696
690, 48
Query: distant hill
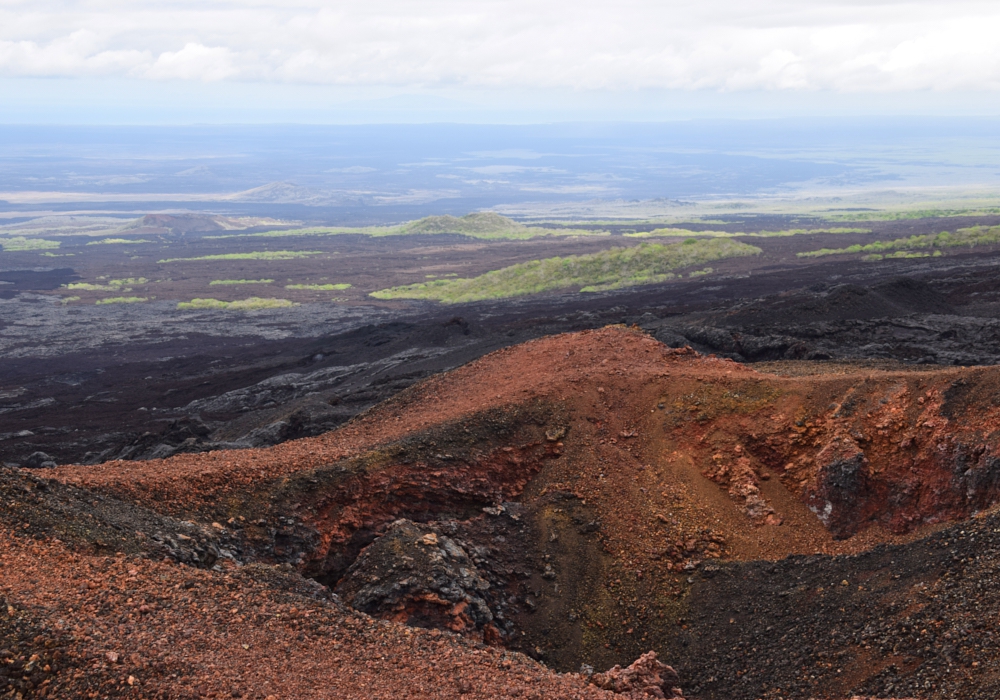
175, 223
483, 224
194, 223
478, 223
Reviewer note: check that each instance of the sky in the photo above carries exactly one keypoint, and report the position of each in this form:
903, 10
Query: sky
507, 61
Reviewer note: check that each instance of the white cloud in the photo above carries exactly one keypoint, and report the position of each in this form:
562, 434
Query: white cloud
193, 62
840, 45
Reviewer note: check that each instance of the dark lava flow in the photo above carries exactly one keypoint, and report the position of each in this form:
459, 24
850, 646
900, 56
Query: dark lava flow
190, 393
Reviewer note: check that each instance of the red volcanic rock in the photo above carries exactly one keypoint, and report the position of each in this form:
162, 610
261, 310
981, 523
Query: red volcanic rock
843, 484
645, 678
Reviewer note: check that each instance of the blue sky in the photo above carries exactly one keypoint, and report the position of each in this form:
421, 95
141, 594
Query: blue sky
511, 61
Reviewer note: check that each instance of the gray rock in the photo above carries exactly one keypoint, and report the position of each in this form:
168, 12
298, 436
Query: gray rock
671, 338
161, 451
265, 436
40, 460
416, 570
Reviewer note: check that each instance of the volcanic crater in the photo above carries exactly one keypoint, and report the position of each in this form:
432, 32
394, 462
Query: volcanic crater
583, 499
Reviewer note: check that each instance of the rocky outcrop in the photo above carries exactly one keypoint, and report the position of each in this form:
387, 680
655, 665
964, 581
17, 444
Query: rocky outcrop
40, 460
103, 524
843, 485
416, 575
186, 435
645, 678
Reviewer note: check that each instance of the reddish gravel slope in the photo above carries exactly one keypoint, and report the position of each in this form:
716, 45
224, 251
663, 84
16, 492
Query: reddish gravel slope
861, 450
104, 626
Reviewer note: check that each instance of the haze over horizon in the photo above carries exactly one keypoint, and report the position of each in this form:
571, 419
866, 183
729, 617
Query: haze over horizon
388, 173
344, 105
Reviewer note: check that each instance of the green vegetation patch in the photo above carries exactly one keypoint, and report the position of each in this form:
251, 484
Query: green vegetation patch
128, 280
484, 225
239, 305
110, 286
900, 254
89, 287
256, 255
912, 214
320, 287
292, 232
677, 233
122, 300
226, 282
17, 244
674, 232
119, 240
646, 263
969, 237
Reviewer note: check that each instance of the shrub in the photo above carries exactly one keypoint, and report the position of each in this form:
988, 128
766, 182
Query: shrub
257, 255
226, 282
973, 236
320, 287
17, 244
674, 232
249, 304
122, 300
106, 241
110, 286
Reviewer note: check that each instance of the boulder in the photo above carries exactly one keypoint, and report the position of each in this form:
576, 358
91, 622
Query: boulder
646, 678
416, 575
40, 460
